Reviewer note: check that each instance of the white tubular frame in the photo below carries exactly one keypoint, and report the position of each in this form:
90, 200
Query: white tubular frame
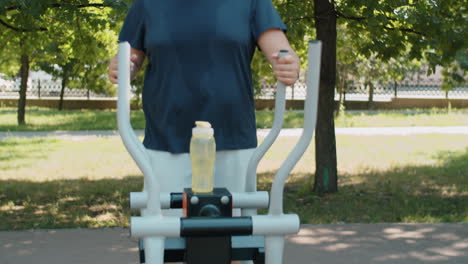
262, 225
154, 252
155, 226
310, 119
129, 138
274, 243
250, 200
253, 200
275, 226
280, 105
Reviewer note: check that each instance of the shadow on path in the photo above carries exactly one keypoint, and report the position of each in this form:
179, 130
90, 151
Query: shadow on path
321, 244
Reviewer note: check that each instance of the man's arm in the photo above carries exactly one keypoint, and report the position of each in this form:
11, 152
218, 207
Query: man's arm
286, 68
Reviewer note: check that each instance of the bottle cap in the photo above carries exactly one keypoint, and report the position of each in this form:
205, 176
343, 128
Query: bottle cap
202, 128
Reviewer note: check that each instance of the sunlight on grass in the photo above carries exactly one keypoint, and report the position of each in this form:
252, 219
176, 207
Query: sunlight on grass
46, 120
40, 119
93, 159
51, 183
24, 153
402, 118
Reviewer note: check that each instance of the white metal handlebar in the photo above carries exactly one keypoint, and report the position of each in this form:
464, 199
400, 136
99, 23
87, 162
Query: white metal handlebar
274, 244
310, 119
280, 103
130, 140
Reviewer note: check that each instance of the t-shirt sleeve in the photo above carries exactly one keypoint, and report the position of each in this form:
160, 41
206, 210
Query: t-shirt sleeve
133, 29
265, 17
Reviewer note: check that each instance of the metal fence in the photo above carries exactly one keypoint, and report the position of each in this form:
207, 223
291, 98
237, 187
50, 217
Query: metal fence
382, 92
51, 89
47, 89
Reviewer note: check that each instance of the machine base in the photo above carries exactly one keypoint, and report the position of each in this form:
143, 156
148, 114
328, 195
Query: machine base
243, 248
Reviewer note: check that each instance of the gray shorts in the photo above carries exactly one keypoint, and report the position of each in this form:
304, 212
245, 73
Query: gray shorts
174, 171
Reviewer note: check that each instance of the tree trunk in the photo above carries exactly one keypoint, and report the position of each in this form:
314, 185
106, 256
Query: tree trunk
326, 180
39, 88
24, 73
370, 102
62, 92
449, 105
338, 105
341, 93
395, 88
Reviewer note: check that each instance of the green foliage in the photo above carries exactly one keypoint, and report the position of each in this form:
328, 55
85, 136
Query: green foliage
400, 36
453, 76
431, 29
75, 29
80, 35
69, 39
298, 17
44, 119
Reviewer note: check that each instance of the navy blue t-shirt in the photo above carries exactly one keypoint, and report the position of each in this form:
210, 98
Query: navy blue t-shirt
199, 54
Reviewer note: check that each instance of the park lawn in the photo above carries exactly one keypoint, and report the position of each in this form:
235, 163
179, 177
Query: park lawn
53, 183
43, 119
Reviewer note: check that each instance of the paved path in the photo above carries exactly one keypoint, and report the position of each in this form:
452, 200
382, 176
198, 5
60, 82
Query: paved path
315, 244
293, 132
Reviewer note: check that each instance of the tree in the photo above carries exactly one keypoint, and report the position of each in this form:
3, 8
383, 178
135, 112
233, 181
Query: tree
346, 65
29, 27
371, 72
452, 76
431, 29
399, 68
63, 69
326, 174
434, 30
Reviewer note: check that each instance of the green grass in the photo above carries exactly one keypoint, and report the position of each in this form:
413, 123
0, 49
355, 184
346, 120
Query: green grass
42, 119
409, 194
46, 120
52, 183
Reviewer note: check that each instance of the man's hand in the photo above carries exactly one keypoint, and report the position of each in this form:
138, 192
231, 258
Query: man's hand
136, 60
286, 68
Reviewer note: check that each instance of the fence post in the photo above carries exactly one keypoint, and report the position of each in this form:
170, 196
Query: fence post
292, 91
39, 88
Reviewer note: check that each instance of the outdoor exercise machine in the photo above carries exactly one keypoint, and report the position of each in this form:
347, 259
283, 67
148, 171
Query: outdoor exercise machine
208, 233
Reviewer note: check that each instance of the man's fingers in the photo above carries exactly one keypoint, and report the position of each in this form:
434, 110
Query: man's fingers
287, 81
113, 75
287, 59
288, 74
113, 79
285, 67
275, 55
134, 58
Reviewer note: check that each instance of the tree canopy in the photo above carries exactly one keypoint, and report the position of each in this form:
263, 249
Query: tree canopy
384, 30
58, 32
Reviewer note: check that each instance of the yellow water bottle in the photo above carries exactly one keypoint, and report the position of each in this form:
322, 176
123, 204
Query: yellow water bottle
202, 154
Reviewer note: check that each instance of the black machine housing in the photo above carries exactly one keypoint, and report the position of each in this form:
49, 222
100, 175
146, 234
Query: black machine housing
209, 233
